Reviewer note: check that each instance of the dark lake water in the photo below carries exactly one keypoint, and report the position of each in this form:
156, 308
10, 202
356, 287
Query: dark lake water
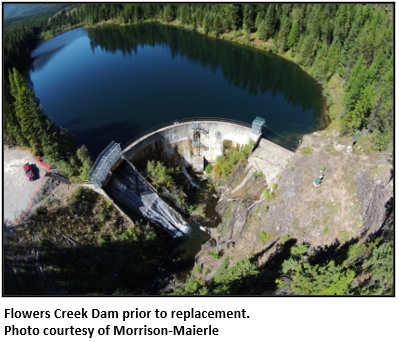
112, 83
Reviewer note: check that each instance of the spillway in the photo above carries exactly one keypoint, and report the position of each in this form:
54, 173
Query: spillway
129, 189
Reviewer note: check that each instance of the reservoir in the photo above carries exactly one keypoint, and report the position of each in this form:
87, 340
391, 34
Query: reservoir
112, 83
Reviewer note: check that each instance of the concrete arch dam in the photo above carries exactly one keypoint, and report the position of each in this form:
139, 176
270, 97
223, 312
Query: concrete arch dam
186, 144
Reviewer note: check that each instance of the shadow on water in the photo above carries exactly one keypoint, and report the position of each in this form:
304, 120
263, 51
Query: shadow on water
267, 72
94, 138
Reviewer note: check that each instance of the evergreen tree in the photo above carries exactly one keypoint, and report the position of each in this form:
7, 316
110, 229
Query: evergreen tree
218, 25
167, 13
294, 36
270, 20
355, 84
262, 31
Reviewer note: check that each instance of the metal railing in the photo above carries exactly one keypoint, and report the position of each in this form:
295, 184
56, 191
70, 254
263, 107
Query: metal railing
104, 162
189, 120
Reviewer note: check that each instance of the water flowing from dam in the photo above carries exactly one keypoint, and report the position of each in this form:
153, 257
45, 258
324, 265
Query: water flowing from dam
193, 184
130, 189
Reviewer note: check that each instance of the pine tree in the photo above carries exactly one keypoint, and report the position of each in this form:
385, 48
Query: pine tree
262, 31
167, 13
270, 20
294, 36
355, 84
218, 25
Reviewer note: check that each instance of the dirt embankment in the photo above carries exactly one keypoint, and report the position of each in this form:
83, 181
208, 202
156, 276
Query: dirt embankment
349, 203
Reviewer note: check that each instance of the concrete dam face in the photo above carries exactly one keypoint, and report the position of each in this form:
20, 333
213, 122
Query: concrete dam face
188, 144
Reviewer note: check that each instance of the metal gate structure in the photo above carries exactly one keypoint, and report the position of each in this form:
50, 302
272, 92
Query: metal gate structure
104, 163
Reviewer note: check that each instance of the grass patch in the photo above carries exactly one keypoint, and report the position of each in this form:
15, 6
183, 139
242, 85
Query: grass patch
256, 175
270, 194
264, 237
285, 238
344, 237
197, 269
325, 231
306, 150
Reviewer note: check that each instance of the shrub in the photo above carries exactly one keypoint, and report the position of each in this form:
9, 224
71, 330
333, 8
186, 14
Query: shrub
256, 175
213, 254
269, 195
160, 173
264, 236
197, 269
77, 195
208, 169
225, 164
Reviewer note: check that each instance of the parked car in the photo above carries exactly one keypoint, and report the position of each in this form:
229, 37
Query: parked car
28, 171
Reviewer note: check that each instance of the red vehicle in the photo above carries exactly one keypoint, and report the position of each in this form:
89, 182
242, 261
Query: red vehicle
28, 171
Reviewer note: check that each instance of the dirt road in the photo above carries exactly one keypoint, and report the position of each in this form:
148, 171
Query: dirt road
19, 192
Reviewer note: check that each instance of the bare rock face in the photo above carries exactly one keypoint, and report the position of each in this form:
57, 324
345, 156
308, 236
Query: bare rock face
373, 195
250, 184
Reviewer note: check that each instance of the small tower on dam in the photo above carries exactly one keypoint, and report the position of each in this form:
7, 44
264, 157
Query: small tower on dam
257, 125
198, 160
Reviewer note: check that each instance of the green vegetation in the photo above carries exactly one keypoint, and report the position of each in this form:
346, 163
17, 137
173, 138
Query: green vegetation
223, 280
25, 124
161, 174
214, 254
208, 169
306, 150
197, 209
23, 10
270, 194
256, 175
264, 237
225, 164
348, 273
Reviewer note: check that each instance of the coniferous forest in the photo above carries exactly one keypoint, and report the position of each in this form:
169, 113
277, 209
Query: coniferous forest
350, 42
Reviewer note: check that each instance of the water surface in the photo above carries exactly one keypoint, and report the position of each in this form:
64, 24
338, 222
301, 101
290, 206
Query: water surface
111, 83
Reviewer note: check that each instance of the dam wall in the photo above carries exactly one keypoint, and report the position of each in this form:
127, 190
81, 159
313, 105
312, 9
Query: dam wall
189, 143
